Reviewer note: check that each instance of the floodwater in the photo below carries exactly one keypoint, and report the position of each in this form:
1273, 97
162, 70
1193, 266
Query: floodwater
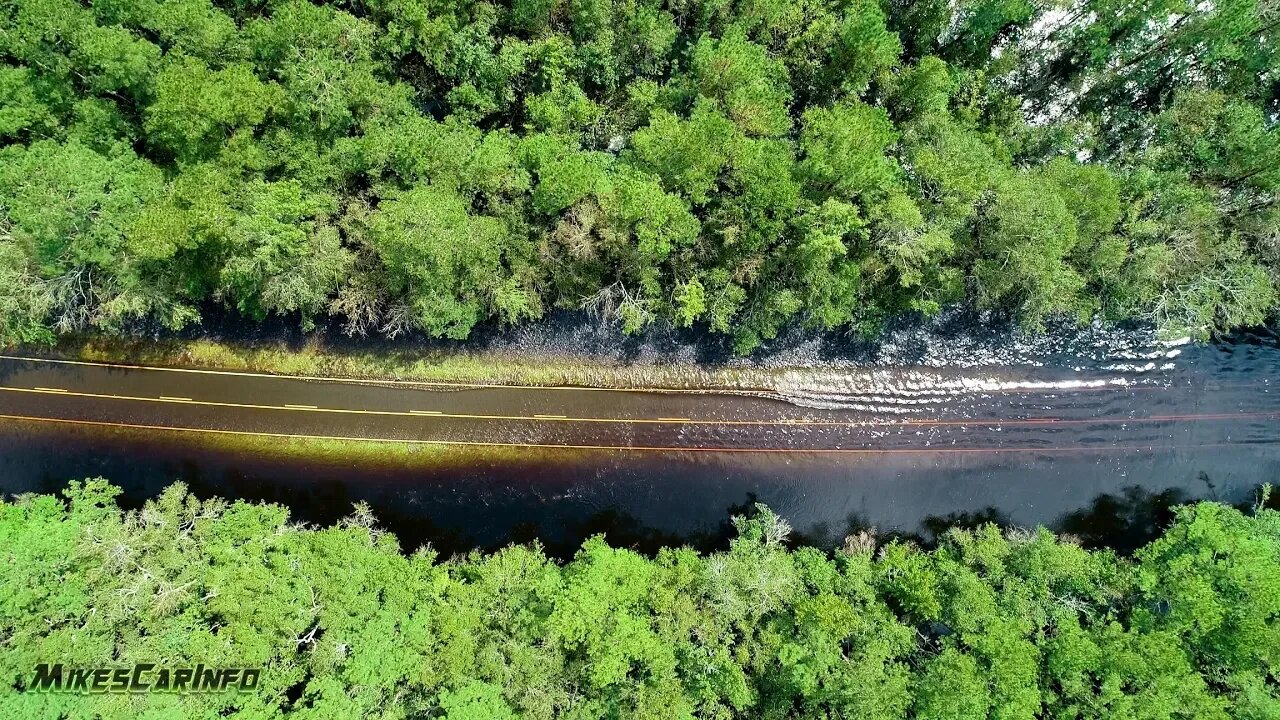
1091, 431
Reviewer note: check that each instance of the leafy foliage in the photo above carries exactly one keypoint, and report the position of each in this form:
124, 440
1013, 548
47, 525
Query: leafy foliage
1015, 625
740, 166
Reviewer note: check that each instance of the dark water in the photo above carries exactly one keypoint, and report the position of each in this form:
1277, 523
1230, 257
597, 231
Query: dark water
1138, 425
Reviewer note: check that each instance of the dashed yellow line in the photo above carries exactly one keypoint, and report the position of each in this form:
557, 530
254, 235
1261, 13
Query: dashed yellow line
626, 448
391, 413
392, 381
975, 422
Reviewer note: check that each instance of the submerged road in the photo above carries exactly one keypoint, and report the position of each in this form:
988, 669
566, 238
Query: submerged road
1109, 434
961, 413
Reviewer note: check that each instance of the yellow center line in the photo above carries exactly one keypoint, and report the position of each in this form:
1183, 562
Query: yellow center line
976, 422
392, 413
175, 398
632, 448
676, 419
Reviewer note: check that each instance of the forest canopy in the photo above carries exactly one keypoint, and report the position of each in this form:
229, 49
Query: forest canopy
407, 166
1016, 625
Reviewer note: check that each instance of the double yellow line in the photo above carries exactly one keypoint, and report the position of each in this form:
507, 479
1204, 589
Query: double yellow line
789, 422
635, 448
166, 399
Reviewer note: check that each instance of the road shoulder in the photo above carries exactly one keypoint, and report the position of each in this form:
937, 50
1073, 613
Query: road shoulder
313, 357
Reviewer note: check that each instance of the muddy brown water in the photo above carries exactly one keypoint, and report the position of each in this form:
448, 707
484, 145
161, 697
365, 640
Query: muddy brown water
1099, 444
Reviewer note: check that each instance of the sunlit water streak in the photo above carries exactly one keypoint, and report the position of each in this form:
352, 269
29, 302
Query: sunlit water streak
951, 369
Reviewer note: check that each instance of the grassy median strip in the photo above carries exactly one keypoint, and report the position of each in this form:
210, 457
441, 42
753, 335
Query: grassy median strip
315, 357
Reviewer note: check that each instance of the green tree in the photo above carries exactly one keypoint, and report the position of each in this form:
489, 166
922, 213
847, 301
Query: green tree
285, 256
1026, 237
630, 153
844, 152
688, 155
344, 622
446, 263
196, 107
24, 301
749, 87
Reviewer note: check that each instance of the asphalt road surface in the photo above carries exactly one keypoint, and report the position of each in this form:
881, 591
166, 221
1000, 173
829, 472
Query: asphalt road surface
1093, 415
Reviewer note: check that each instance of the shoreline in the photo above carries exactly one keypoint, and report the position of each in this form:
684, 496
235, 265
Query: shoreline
315, 359
801, 370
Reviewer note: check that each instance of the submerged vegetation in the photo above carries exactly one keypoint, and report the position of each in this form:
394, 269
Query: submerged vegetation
359, 359
344, 624
425, 167
316, 451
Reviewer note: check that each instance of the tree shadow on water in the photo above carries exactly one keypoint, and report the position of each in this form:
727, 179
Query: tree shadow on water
620, 528
1124, 522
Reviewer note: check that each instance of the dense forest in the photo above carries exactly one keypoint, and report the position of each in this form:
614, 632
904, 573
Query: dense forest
1015, 625
422, 166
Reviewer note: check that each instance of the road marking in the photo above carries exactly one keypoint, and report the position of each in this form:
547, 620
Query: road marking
635, 448
395, 381
976, 422
757, 391
426, 412
174, 398
676, 419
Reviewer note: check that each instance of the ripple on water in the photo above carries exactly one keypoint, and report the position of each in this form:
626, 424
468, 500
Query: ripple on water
914, 365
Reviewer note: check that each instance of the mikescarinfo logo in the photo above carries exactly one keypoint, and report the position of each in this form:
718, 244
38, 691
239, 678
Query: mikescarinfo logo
142, 678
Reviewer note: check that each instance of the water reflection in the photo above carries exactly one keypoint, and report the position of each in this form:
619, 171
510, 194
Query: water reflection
644, 511
1117, 492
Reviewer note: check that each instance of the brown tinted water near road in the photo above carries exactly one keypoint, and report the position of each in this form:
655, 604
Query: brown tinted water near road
1085, 443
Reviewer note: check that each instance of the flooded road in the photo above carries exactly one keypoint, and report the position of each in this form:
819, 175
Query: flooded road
1068, 441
